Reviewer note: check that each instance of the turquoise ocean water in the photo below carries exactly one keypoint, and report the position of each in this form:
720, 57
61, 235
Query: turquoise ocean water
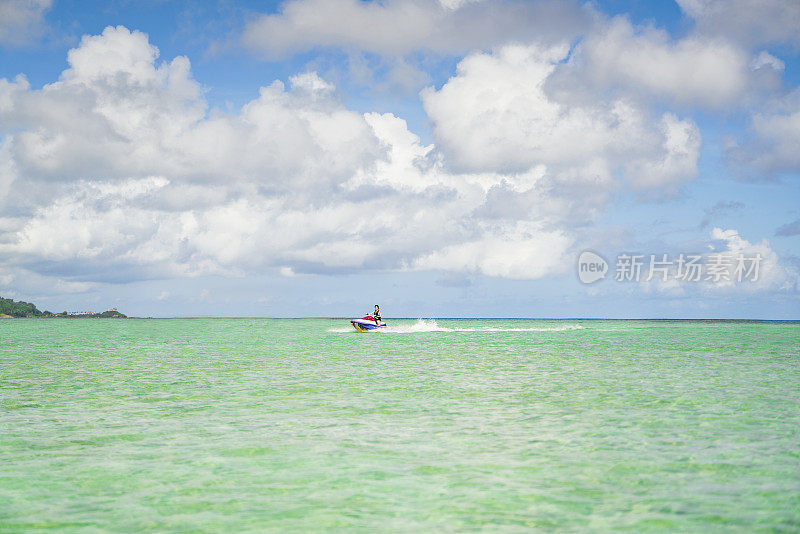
451, 425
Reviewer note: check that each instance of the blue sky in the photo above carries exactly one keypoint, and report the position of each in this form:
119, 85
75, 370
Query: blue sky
444, 158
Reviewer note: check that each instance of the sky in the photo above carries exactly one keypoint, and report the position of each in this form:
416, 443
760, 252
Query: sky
442, 158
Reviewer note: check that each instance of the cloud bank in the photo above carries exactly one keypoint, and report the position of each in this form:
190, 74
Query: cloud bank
120, 166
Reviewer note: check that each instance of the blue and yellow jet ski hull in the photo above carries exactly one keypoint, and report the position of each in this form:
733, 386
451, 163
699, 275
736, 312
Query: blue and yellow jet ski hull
367, 324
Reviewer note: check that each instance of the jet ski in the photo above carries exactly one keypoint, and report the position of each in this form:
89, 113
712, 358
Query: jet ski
367, 323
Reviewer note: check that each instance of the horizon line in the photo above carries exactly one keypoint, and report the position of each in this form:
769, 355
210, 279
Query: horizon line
469, 318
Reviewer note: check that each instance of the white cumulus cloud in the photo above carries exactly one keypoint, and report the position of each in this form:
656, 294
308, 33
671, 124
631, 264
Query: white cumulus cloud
21, 20
771, 145
398, 27
749, 21
496, 114
648, 64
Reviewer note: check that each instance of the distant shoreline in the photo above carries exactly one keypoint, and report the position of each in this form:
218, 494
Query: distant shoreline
59, 316
11, 309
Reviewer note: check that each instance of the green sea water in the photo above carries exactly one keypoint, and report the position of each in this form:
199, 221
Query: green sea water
260, 425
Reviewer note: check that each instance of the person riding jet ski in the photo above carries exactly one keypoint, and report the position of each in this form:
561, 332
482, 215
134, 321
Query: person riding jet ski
371, 321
